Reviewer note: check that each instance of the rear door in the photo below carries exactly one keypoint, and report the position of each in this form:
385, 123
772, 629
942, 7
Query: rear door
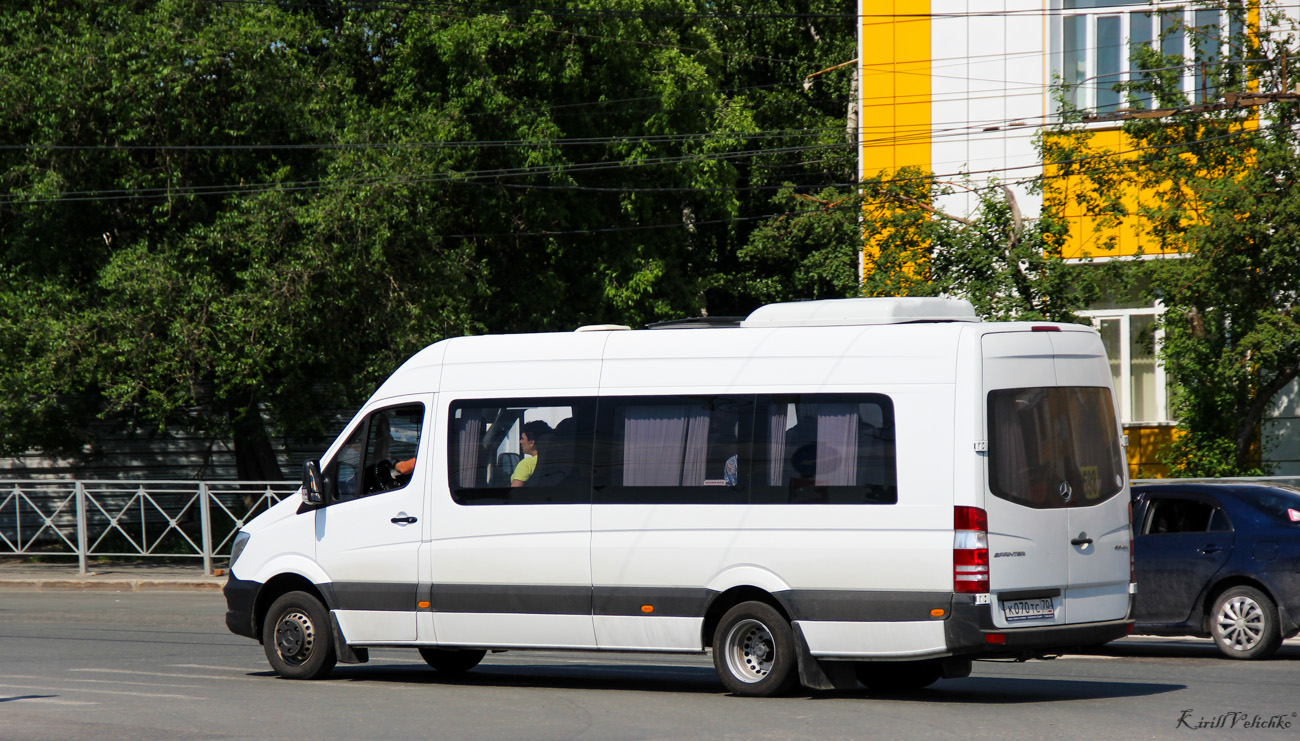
1058, 520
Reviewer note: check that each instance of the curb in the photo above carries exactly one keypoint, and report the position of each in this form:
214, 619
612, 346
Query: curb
111, 584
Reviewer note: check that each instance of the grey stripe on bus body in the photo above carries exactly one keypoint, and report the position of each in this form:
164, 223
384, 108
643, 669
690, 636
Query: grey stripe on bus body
370, 595
843, 605
663, 601
801, 604
502, 598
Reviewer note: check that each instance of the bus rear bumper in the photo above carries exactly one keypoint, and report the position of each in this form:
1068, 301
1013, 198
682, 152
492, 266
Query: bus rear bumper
969, 630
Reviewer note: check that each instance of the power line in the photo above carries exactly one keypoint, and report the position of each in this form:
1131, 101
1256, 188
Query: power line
290, 186
705, 137
489, 175
487, 9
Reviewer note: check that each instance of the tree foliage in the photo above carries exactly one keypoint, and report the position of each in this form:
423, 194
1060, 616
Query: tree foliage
216, 215
1008, 266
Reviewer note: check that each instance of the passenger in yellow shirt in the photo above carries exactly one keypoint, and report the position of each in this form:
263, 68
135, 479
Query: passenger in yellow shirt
529, 438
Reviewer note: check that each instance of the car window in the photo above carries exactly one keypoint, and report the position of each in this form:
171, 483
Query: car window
1219, 522
1168, 516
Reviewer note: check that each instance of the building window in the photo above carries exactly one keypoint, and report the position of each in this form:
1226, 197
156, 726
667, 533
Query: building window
1133, 340
1100, 40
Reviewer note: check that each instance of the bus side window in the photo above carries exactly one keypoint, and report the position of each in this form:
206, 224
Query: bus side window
520, 451
674, 449
825, 449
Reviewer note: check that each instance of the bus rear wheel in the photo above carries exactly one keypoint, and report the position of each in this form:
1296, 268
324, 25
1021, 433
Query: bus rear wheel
753, 651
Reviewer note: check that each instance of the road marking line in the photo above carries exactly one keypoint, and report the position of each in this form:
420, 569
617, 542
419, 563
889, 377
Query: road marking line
101, 692
105, 681
135, 684
219, 668
54, 701
163, 674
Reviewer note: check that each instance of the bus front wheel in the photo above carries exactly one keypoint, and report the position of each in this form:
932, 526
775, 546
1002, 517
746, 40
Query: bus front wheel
297, 638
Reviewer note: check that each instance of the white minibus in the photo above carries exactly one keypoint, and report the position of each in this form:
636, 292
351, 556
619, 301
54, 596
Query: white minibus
823, 493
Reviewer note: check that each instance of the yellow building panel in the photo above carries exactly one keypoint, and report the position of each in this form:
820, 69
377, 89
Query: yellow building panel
1089, 238
895, 85
1146, 449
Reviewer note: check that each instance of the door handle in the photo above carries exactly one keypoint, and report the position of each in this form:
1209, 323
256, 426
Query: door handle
1207, 550
405, 520
1083, 539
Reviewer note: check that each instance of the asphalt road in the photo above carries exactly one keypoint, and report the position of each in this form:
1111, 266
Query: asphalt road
160, 665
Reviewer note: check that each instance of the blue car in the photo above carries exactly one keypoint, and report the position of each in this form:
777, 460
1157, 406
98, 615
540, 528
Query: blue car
1219, 561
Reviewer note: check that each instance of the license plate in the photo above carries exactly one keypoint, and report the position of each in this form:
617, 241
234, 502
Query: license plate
1028, 609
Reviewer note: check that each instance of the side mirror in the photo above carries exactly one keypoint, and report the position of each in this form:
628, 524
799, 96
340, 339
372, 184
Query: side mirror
313, 484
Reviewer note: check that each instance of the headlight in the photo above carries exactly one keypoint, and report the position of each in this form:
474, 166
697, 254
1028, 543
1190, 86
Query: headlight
241, 540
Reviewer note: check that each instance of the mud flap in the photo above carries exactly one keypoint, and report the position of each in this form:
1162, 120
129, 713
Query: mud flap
954, 667
816, 674
345, 653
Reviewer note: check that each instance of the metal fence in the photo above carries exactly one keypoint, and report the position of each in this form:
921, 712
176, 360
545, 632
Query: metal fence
130, 519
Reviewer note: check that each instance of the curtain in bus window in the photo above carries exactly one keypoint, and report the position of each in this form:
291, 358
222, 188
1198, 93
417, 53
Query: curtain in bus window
776, 423
822, 447
837, 445
652, 449
1011, 468
467, 433
664, 445
694, 456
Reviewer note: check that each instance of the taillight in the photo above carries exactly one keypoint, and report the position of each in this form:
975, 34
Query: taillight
970, 550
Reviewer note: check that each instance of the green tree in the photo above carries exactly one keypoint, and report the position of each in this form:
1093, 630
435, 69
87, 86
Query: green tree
159, 271
220, 214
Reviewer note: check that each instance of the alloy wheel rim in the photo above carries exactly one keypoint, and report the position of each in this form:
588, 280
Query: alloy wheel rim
1240, 623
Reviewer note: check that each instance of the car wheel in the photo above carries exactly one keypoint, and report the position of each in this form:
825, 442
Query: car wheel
753, 651
451, 660
297, 638
899, 676
1244, 624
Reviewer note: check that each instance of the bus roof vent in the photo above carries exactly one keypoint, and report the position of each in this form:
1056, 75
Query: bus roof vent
699, 322
851, 311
